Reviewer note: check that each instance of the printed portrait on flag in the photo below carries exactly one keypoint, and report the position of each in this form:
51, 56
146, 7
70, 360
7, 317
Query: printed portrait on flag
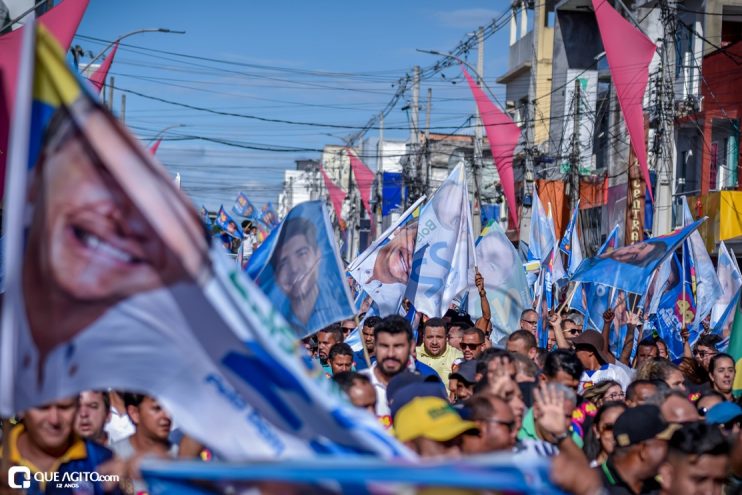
384, 269
89, 247
303, 275
114, 284
640, 253
630, 267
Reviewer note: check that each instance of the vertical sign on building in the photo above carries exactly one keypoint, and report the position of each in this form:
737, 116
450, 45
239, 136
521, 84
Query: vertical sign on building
635, 197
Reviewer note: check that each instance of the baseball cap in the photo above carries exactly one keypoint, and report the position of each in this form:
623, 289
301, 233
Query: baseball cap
723, 412
467, 372
409, 385
594, 339
430, 417
641, 423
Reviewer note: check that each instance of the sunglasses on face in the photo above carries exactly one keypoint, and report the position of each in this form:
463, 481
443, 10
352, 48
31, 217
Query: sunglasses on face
471, 347
530, 322
703, 354
572, 331
616, 396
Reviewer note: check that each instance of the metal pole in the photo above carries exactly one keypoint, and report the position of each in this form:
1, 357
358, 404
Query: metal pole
478, 144
427, 140
145, 30
414, 117
111, 82
575, 152
123, 108
380, 176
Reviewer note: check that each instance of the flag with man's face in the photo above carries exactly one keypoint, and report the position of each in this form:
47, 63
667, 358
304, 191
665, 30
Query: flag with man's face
112, 283
299, 269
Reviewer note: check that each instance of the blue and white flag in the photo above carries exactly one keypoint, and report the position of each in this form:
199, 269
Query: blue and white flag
704, 281
590, 299
444, 259
504, 279
570, 244
243, 207
630, 267
205, 218
301, 271
133, 297
730, 281
384, 268
542, 239
268, 215
227, 223
676, 308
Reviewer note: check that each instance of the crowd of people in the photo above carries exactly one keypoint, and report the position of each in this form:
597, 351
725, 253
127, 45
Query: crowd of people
633, 422
629, 423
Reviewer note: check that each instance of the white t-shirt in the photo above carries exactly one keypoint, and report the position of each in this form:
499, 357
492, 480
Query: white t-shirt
118, 427
605, 372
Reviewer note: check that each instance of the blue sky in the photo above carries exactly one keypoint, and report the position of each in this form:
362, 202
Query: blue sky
321, 62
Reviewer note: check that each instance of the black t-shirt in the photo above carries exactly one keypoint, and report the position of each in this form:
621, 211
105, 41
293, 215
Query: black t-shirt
615, 485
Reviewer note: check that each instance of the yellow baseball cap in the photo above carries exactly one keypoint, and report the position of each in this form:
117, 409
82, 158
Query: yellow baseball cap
430, 417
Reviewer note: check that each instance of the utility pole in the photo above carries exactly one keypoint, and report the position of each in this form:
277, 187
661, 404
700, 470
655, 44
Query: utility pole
574, 158
427, 141
664, 149
414, 117
110, 92
477, 210
123, 109
380, 176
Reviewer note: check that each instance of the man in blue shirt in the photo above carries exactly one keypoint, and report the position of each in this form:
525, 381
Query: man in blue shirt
367, 335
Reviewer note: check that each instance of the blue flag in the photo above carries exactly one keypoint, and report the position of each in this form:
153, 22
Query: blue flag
299, 269
675, 306
228, 224
243, 207
268, 215
570, 244
630, 267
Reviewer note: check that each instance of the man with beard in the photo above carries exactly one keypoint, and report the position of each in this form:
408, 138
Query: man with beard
326, 338
435, 351
393, 336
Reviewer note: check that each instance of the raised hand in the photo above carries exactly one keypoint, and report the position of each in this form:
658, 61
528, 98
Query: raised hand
479, 282
608, 315
548, 409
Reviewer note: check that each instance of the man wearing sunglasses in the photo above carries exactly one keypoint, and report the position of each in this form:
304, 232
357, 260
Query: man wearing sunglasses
472, 343
496, 424
529, 321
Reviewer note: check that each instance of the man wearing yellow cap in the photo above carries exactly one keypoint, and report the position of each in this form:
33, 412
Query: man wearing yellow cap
432, 428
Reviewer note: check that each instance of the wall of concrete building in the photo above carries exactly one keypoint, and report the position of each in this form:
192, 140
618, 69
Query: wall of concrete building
541, 80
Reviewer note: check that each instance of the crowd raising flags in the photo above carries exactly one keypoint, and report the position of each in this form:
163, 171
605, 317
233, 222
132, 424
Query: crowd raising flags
435, 342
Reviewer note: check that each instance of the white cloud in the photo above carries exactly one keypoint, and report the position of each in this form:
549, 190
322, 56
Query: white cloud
466, 18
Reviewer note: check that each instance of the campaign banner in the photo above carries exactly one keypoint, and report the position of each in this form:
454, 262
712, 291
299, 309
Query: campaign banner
705, 283
730, 280
205, 218
444, 258
676, 310
630, 267
504, 279
570, 243
112, 283
383, 269
268, 215
227, 223
301, 271
243, 207
542, 239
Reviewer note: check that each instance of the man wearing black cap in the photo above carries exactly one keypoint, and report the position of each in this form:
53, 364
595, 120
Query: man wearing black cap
466, 378
641, 447
590, 352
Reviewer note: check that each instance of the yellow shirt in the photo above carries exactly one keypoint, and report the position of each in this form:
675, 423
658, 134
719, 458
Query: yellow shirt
441, 364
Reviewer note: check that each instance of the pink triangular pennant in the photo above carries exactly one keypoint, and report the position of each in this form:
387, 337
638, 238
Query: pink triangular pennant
629, 53
62, 22
503, 136
98, 78
337, 195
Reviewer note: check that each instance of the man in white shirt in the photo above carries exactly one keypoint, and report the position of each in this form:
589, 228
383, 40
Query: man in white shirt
589, 347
